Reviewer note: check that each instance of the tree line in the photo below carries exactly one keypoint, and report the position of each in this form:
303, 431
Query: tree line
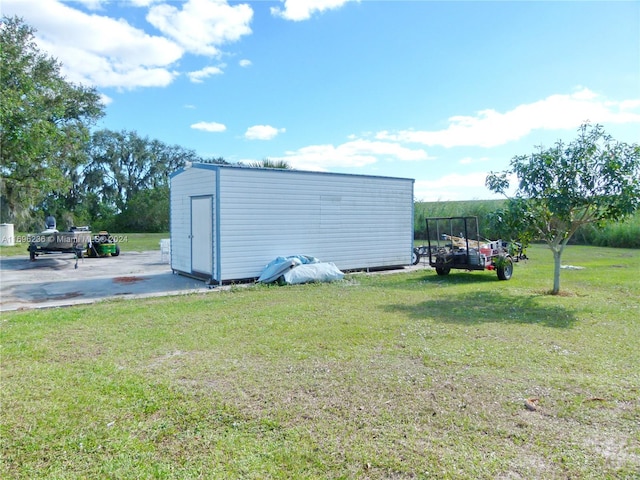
123, 185
53, 163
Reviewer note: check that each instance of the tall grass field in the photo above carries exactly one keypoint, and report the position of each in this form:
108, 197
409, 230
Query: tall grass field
623, 234
390, 375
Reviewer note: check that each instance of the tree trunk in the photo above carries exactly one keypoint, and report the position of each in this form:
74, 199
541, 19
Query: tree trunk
557, 254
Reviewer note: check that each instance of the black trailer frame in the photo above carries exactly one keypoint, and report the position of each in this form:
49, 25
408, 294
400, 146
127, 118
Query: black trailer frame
455, 243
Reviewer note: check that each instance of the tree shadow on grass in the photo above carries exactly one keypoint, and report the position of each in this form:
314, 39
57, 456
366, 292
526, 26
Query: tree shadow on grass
432, 279
458, 277
489, 307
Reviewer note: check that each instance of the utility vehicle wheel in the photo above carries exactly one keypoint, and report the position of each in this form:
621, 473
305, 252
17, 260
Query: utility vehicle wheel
442, 270
415, 257
32, 253
506, 270
117, 252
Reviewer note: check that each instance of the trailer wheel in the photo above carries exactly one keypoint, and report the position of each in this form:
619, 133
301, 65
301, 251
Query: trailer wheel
443, 270
415, 257
505, 270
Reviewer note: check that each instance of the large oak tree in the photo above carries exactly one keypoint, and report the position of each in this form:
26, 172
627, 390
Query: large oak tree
44, 123
123, 164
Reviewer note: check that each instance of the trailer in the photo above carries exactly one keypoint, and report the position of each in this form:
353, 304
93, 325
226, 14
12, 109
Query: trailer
52, 241
228, 222
419, 252
455, 243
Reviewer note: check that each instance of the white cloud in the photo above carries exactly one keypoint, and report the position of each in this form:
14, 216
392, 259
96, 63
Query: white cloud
143, 3
356, 153
457, 186
105, 99
244, 63
201, 26
101, 51
200, 75
298, 10
262, 132
453, 187
98, 50
91, 4
209, 127
489, 128
630, 104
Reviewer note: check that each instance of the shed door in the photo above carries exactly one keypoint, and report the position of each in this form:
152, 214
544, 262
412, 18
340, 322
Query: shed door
202, 235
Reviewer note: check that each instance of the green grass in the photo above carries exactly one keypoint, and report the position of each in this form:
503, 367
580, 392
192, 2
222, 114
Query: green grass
133, 242
141, 242
407, 375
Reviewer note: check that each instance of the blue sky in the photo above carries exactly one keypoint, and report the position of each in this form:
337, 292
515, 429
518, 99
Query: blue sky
442, 92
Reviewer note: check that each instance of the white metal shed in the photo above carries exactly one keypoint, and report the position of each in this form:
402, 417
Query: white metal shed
228, 222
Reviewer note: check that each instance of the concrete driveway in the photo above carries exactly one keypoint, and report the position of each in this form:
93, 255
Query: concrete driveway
52, 280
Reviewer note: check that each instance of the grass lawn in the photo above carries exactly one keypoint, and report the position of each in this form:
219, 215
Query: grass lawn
406, 375
133, 242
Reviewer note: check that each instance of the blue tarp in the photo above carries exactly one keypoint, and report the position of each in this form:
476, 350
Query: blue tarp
296, 269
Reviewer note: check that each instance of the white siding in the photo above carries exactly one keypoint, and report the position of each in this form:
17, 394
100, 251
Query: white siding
355, 221
191, 182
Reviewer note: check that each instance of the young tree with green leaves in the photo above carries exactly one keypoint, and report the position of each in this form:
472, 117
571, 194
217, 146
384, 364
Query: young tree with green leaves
44, 123
591, 180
